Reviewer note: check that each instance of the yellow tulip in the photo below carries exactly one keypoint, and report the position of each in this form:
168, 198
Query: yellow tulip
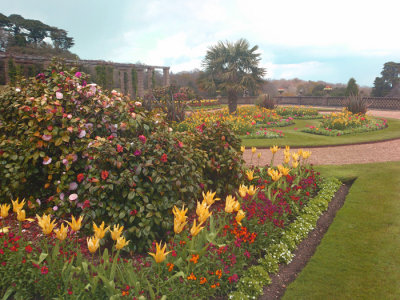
295, 163
121, 243
203, 212
4, 208
61, 233
250, 175
287, 149
93, 243
300, 152
274, 174
239, 217
21, 215
46, 224
242, 148
100, 231
287, 158
75, 224
259, 155
196, 229
4, 229
179, 226
242, 191
283, 170
306, 154
295, 156
180, 215
209, 197
274, 149
117, 231
160, 254
17, 206
251, 190
253, 150
230, 204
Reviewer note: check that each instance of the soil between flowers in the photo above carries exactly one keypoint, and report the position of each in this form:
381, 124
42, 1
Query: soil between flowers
306, 249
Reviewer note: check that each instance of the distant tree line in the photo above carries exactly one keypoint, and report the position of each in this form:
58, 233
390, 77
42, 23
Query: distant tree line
26, 36
388, 83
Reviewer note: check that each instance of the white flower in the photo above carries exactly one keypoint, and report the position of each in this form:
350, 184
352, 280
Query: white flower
59, 95
82, 134
73, 197
137, 103
17, 90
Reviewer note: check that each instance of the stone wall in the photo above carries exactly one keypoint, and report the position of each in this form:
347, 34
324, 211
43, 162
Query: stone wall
373, 102
121, 77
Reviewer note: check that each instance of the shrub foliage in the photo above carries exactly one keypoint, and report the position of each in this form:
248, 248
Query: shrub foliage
69, 147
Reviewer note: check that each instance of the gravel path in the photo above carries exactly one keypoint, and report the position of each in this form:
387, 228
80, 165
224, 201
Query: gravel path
338, 155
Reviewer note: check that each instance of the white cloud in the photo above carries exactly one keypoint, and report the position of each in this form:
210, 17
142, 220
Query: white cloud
302, 70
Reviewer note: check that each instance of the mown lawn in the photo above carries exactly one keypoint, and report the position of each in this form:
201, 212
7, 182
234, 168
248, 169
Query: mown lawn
295, 138
359, 257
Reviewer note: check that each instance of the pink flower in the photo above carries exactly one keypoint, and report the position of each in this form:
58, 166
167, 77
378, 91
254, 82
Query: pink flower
46, 160
137, 152
78, 74
55, 208
73, 197
46, 137
142, 138
82, 134
59, 95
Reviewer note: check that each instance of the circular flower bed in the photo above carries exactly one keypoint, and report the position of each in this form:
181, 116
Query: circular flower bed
336, 124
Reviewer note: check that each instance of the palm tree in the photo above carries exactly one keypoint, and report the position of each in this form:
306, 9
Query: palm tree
232, 68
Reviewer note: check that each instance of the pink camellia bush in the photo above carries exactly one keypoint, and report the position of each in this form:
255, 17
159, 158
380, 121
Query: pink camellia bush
69, 147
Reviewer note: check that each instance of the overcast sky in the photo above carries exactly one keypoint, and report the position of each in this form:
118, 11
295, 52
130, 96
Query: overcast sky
310, 39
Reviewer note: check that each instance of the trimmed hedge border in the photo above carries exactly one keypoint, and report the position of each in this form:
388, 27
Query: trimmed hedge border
251, 285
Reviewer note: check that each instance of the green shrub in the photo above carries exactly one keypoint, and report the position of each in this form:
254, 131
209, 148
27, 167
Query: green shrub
224, 158
265, 101
72, 148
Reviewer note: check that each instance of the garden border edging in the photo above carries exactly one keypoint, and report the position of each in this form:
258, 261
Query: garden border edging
251, 286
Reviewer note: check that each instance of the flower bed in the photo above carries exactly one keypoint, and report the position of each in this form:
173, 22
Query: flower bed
206, 257
246, 119
336, 124
298, 112
264, 133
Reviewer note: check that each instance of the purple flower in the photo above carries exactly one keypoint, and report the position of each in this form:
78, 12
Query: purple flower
78, 74
62, 196
137, 152
73, 186
84, 83
82, 134
65, 161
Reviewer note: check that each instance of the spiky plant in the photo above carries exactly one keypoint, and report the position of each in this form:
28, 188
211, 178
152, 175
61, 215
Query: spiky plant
356, 104
265, 101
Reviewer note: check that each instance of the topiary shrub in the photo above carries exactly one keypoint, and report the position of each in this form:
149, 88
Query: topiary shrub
69, 147
265, 101
356, 104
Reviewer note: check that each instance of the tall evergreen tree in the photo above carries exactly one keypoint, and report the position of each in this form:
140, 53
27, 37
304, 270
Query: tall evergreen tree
352, 88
